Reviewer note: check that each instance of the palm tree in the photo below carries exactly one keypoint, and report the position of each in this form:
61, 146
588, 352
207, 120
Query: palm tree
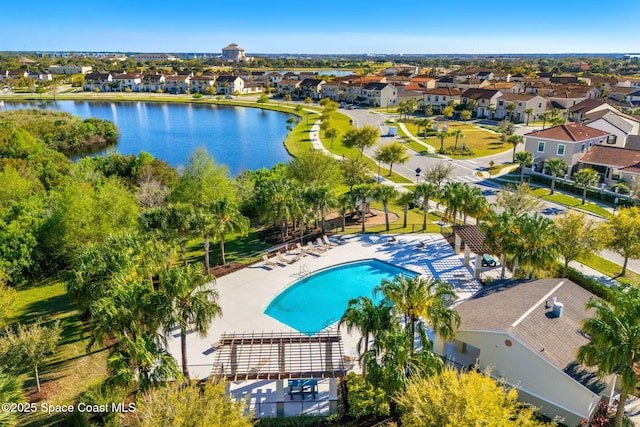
511, 108
189, 303
614, 341
405, 199
500, 235
459, 135
274, 198
492, 110
426, 191
555, 167
442, 135
545, 116
473, 203
227, 218
528, 112
452, 194
418, 298
426, 124
385, 194
362, 193
524, 159
368, 318
586, 177
537, 238
515, 140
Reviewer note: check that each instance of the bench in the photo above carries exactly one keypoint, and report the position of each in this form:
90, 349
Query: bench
488, 261
306, 387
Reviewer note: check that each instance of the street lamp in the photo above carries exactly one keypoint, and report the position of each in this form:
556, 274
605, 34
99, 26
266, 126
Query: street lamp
418, 170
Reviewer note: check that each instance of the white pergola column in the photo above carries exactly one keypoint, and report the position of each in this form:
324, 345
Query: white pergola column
478, 268
467, 255
333, 396
458, 243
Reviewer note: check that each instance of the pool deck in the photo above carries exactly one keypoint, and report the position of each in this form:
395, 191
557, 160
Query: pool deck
245, 294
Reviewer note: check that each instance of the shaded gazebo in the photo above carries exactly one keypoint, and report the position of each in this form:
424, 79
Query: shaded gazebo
472, 237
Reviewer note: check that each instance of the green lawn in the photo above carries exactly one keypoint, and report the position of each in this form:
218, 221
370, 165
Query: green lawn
570, 201
481, 141
70, 370
610, 269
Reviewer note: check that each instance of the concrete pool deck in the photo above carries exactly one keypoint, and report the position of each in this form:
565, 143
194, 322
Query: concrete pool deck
245, 294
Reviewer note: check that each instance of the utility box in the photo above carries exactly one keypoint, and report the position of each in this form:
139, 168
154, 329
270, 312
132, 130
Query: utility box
392, 131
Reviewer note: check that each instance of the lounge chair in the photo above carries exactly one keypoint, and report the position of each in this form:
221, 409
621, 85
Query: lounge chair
326, 240
302, 251
314, 249
323, 245
282, 260
268, 263
422, 245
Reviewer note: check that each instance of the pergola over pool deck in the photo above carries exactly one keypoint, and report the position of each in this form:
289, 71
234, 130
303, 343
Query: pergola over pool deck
281, 356
473, 239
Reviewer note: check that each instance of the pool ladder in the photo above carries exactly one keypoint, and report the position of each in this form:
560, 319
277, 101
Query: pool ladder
304, 270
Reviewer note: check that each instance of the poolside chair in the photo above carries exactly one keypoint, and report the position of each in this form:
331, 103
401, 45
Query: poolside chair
323, 245
283, 260
314, 249
268, 263
422, 245
326, 240
302, 251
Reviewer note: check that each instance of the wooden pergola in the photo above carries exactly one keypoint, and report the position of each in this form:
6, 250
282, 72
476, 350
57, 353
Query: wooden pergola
280, 356
472, 237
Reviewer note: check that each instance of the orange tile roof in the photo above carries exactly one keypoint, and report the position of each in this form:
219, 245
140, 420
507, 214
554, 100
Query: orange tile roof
569, 132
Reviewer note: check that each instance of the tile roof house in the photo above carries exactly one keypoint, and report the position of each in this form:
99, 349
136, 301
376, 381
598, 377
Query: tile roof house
440, 97
590, 105
620, 126
380, 94
486, 100
528, 334
569, 142
613, 163
229, 84
311, 88
522, 102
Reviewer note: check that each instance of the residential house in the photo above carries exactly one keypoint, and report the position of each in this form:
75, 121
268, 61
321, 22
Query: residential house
40, 75
203, 84
472, 84
537, 87
290, 75
256, 76
425, 81
229, 85
621, 127
620, 93
126, 81
569, 142
16, 74
274, 77
523, 102
486, 100
379, 94
311, 88
177, 84
564, 79
566, 99
152, 82
629, 82
399, 80
612, 163
291, 87
252, 87
70, 69
505, 87
588, 106
447, 82
306, 75
4, 74
440, 97
633, 96
527, 335
98, 81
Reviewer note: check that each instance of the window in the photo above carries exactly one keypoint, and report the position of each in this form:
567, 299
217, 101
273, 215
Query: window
540, 146
539, 104
560, 151
429, 98
582, 148
611, 139
500, 102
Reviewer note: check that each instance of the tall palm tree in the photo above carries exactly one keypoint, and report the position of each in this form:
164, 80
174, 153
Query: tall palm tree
368, 318
274, 199
362, 193
385, 194
614, 343
474, 204
426, 124
227, 218
515, 140
555, 167
585, 178
537, 238
545, 116
452, 197
442, 135
524, 159
500, 235
426, 191
511, 108
191, 303
418, 298
459, 134
528, 112
405, 199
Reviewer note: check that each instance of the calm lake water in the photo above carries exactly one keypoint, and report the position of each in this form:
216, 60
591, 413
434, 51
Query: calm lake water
241, 138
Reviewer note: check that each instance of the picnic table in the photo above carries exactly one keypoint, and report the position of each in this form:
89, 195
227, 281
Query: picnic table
303, 387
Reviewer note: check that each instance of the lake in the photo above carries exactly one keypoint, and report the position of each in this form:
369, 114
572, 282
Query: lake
240, 138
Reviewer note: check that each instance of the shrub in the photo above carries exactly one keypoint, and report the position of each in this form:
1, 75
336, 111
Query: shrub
364, 398
197, 95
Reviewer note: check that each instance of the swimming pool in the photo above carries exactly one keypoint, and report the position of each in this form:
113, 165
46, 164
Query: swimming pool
320, 299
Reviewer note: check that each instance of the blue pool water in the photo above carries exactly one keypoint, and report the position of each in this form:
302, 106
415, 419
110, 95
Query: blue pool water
312, 303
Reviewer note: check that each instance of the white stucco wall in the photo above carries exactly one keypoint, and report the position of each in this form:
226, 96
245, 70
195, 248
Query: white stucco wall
554, 391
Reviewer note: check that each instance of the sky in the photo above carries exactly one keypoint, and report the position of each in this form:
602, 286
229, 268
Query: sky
330, 27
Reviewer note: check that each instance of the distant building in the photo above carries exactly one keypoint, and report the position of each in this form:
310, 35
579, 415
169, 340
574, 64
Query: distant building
154, 57
70, 69
234, 53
